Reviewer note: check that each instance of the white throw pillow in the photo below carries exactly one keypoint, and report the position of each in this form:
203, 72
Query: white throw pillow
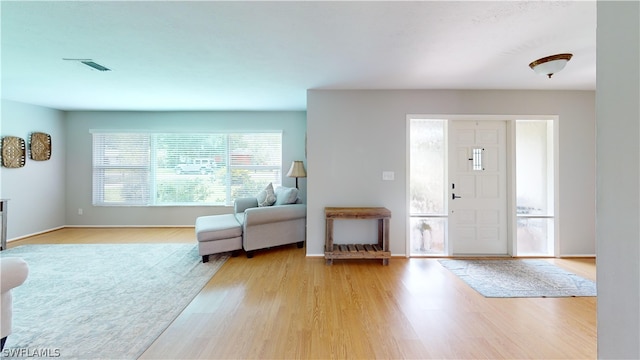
267, 196
285, 195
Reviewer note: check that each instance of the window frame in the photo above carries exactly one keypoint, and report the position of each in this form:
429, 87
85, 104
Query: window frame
152, 171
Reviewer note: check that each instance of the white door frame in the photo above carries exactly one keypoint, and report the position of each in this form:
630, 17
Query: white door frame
511, 174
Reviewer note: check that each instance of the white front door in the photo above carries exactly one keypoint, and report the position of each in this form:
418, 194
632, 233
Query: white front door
477, 188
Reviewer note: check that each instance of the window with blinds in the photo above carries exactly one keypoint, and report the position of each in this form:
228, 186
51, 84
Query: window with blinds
164, 169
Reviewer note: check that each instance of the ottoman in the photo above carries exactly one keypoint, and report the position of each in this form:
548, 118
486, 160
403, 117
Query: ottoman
218, 233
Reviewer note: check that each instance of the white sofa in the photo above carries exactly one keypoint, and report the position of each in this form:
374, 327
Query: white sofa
269, 226
281, 220
13, 272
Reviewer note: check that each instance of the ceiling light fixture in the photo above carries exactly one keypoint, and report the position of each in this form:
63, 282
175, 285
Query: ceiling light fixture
91, 64
551, 64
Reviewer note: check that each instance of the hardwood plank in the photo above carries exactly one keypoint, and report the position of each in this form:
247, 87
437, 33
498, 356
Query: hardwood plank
281, 304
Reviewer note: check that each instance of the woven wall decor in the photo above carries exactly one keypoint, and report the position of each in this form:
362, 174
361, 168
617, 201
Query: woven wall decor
13, 152
40, 146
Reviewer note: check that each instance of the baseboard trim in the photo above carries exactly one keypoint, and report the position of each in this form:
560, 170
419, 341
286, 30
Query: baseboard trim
128, 226
36, 233
96, 226
588, 256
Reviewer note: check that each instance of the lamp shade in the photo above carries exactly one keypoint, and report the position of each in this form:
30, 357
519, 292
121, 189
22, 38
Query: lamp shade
297, 170
551, 64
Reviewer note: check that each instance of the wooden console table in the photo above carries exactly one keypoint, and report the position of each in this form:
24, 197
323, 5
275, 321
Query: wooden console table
357, 251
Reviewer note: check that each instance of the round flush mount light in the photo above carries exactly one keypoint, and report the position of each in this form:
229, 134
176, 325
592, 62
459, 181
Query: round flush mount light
551, 64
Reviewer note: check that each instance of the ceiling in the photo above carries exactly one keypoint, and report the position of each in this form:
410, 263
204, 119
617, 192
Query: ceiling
239, 55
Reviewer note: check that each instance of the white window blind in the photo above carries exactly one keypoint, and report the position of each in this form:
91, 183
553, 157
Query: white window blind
146, 169
121, 166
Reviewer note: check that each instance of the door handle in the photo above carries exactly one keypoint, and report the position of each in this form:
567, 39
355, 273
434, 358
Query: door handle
453, 196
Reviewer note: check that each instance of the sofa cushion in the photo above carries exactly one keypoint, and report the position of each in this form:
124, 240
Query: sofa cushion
267, 196
217, 227
286, 195
240, 218
273, 214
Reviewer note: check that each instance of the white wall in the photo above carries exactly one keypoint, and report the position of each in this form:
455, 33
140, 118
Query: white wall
79, 151
37, 190
354, 135
618, 179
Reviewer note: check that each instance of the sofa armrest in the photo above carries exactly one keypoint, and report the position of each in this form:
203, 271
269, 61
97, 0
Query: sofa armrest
271, 214
13, 272
242, 204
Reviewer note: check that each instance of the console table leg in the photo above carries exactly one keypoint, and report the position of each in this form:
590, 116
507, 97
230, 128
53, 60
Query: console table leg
328, 239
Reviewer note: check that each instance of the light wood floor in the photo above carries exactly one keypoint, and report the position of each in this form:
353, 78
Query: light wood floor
281, 304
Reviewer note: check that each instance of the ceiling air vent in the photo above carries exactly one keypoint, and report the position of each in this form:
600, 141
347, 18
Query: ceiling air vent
95, 66
92, 64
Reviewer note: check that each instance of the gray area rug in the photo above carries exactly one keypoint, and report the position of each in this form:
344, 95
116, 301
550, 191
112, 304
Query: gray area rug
103, 301
519, 278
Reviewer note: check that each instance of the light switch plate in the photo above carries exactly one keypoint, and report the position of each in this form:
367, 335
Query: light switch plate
388, 175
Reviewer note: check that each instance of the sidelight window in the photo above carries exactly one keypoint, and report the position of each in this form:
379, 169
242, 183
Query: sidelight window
427, 189
534, 188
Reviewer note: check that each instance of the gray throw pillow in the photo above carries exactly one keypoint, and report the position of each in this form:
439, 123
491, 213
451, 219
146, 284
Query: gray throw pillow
267, 196
285, 195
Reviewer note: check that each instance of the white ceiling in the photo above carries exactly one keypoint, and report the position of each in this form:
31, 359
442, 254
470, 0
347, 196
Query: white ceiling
187, 55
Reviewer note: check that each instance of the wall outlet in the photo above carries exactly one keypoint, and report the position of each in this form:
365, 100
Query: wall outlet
388, 175
80, 212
